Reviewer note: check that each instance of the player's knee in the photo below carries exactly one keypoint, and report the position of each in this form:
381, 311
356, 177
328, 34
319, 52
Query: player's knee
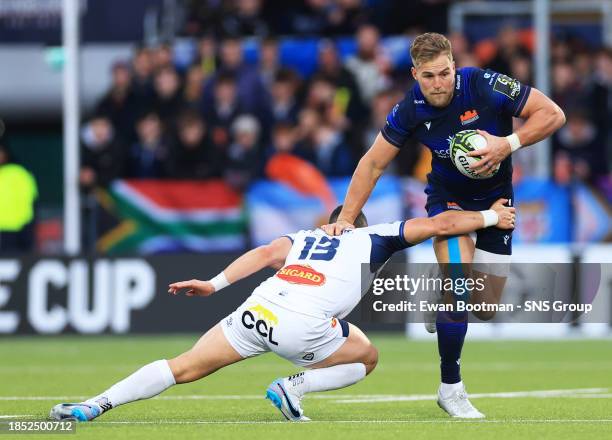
184, 368
484, 315
371, 359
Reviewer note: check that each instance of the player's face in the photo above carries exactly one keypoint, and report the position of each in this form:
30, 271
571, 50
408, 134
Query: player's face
437, 80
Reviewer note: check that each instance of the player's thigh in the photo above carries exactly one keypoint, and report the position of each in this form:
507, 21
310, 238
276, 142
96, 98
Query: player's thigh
457, 249
356, 348
210, 353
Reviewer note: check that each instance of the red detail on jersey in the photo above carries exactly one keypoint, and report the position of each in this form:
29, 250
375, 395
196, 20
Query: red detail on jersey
298, 274
468, 116
334, 322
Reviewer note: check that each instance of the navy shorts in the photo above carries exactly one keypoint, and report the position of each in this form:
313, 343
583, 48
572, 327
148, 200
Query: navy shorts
492, 239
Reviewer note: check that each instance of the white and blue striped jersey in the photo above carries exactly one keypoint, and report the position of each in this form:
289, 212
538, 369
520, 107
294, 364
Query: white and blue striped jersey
322, 275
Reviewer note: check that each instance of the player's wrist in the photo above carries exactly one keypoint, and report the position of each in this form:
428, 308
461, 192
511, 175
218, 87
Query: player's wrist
219, 281
490, 218
514, 142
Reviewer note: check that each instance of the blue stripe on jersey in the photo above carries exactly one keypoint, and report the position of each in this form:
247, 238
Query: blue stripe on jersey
401, 235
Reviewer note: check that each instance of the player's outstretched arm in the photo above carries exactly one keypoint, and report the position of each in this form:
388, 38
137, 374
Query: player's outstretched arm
370, 168
453, 222
247, 264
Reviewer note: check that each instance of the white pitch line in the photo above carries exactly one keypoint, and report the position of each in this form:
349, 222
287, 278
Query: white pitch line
16, 416
274, 422
357, 398
506, 395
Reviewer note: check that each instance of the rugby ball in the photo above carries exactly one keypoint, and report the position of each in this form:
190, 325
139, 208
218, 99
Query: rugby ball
464, 142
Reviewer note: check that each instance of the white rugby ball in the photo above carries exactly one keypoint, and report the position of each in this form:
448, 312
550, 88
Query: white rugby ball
464, 142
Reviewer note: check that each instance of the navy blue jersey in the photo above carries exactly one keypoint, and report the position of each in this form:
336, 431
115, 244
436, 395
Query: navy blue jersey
482, 99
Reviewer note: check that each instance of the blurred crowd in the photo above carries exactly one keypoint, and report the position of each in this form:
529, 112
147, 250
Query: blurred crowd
223, 117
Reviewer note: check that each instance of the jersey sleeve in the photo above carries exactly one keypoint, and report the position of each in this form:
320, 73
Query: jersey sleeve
387, 238
397, 129
506, 95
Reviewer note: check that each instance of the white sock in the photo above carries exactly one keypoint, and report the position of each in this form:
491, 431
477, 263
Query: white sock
448, 389
324, 379
145, 383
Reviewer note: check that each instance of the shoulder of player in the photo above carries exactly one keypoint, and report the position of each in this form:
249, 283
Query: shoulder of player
383, 229
469, 76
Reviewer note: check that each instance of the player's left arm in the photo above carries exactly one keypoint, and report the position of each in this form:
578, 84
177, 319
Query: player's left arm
270, 255
542, 118
454, 222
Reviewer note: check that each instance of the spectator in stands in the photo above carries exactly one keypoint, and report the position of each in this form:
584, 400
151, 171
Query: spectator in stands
521, 69
323, 97
578, 143
162, 56
565, 86
285, 107
251, 92
168, 94
346, 16
332, 155
207, 55
192, 157
369, 65
330, 67
243, 156
120, 103
245, 19
285, 140
509, 46
142, 67
224, 109
269, 61
103, 154
18, 194
194, 86
148, 156
310, 18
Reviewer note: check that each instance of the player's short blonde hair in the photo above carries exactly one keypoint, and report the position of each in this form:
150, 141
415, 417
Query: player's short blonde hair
428, 46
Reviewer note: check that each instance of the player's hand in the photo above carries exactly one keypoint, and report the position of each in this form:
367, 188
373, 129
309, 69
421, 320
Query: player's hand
194, 288
494, 153
506, 214
337, 228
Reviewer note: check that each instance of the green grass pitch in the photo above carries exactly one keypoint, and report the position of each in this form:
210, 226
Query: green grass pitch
559, 389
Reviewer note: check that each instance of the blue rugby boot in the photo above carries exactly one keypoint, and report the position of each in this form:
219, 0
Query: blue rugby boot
82, 412
288, 403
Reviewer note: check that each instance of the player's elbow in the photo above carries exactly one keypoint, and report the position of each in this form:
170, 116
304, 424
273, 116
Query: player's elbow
557, 116
560, 117
267, 254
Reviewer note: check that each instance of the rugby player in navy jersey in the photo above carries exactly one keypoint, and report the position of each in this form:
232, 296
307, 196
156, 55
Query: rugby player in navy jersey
444, 101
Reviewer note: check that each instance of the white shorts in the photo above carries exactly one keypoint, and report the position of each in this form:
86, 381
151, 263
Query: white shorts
259, 326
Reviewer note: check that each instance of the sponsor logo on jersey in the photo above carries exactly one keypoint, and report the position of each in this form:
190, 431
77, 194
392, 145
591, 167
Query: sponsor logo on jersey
458, 82
419, 101
264, 322
442, 154
507, 86
468, 117
299, 274
454, 206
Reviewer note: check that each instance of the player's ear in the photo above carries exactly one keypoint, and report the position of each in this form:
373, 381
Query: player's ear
414, 72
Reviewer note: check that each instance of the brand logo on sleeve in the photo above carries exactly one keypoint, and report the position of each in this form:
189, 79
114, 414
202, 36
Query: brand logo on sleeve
298, 274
